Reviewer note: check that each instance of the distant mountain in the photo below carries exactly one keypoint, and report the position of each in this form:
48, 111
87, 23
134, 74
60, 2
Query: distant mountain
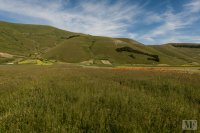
21, 41
186, 45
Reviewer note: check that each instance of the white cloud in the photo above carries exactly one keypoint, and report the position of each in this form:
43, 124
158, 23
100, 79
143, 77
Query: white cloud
119, 19
87, 17
172, 23
152, 17
193, 6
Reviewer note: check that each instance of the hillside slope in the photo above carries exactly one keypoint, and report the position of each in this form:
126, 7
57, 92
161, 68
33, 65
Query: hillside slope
45, 42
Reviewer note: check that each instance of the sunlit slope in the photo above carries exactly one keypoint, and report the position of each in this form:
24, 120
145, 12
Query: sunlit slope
23, 39
170, 54
86, 47
45, 42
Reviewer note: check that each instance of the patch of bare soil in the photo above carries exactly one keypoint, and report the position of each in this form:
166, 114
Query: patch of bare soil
6, 55
118, 41
89, 62
106, 62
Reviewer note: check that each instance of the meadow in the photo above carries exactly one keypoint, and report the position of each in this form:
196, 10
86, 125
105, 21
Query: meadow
68, 98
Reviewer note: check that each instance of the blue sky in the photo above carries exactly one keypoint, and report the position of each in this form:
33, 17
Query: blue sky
148, 21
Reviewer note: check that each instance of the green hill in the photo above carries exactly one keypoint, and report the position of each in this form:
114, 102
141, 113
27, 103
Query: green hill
44, 42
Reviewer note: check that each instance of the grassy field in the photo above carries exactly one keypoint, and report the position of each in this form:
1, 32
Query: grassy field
66, 98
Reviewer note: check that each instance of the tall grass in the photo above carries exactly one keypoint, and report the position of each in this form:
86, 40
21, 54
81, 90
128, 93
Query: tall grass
72, 99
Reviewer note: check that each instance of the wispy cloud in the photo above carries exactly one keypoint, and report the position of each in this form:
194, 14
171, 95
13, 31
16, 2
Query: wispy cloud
87, 16
119, 19
171, 25
193, 6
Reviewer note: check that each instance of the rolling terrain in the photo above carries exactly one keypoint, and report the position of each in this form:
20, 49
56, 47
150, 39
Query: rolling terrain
139, 93
24, 42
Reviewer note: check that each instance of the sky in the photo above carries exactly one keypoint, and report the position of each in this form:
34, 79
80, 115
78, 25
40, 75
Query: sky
147, 21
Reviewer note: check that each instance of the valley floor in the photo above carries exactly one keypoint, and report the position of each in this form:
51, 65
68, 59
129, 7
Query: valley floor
68, 98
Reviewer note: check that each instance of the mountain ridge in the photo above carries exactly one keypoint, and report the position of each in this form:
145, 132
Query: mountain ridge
50, 43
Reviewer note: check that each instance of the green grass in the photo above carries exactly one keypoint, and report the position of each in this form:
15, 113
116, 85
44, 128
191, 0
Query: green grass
6, 60
64, 98
178, 55
50, 43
